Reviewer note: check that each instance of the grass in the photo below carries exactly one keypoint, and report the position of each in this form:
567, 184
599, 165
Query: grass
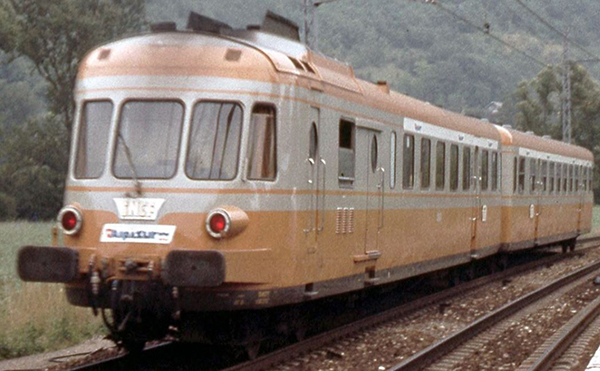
596, 218
35, 317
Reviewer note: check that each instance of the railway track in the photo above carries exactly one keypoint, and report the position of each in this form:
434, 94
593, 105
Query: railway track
124, 361
450, 351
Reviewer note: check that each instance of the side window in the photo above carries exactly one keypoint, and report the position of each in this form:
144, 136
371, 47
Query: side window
565, 176
515, 174
440, 165
262, 158
494, 171
521, 184
466, 180
532, 174
484, 170
544, 176
551, 177
393, 160
346, 153
570, 178
374, 153
425, 163
453, 167
213, 150
92, 140
584, 176
408, 165
576, 185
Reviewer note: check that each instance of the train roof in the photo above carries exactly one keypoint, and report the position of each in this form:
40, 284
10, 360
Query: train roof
512, 137
272, 53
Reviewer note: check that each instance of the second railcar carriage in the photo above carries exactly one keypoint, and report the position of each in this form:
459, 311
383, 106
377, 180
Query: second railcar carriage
217, 173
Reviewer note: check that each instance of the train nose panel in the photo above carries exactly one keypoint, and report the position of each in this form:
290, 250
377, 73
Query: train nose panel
194, 268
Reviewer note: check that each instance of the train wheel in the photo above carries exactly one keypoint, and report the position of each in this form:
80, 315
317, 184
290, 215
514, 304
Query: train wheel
502, 262
300, 334
454, 277
572, 244
134, 346
252, 349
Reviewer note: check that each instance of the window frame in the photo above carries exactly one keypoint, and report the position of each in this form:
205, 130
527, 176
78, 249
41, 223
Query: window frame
189, 132
117, 128
406, 180
346, 182
422, 170
113, 113
443, 168
249, 146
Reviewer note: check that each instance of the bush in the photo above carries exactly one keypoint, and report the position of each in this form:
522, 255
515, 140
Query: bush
8, 207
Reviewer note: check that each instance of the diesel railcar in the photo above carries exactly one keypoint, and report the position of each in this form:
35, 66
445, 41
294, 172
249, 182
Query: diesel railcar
220, 178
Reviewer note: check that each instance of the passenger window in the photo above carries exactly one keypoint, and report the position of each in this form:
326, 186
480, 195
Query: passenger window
313, 142
494, 171
440, 165
453, 167
565, 177
515, 175
576, 180
408, 166
521, 184
544, 176
92, 141
532, 175
346, 153
425, 163
214, 144
570, 178
374, 153
584, 178
551, 177
262, 157
484, 170
558, 178
393, 160
466, 164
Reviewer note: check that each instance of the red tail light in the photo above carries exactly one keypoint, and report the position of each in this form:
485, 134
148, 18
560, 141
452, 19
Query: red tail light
218, 223
70, 220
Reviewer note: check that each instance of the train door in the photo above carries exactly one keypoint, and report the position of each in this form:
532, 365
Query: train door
538, 173
475, 211
369, 159
316, 184
580, 191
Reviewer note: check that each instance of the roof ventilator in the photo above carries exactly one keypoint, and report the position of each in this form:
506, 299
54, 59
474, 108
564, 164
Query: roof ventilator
163, 27
384, 86
280, 26
200, 23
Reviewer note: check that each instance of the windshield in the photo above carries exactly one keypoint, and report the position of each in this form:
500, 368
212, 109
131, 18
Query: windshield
150, 132
93, 139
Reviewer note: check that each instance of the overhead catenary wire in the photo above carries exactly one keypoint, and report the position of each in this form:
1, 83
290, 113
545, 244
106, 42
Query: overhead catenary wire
488, 33
562, 34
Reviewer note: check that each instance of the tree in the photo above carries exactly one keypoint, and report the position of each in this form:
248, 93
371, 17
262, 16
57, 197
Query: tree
56, 34
34, 162
538, 109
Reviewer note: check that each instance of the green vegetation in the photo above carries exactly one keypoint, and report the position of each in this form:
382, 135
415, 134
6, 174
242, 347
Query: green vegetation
596, 218
35, 317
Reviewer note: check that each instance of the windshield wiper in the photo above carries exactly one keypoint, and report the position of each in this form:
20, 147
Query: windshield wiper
134, 175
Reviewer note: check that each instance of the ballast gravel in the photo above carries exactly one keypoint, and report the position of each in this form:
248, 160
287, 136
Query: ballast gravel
382, 347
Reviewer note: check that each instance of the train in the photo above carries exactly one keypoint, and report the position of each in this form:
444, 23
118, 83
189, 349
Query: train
222, 179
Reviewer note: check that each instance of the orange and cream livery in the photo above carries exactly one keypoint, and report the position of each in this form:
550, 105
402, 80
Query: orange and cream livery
220, 179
